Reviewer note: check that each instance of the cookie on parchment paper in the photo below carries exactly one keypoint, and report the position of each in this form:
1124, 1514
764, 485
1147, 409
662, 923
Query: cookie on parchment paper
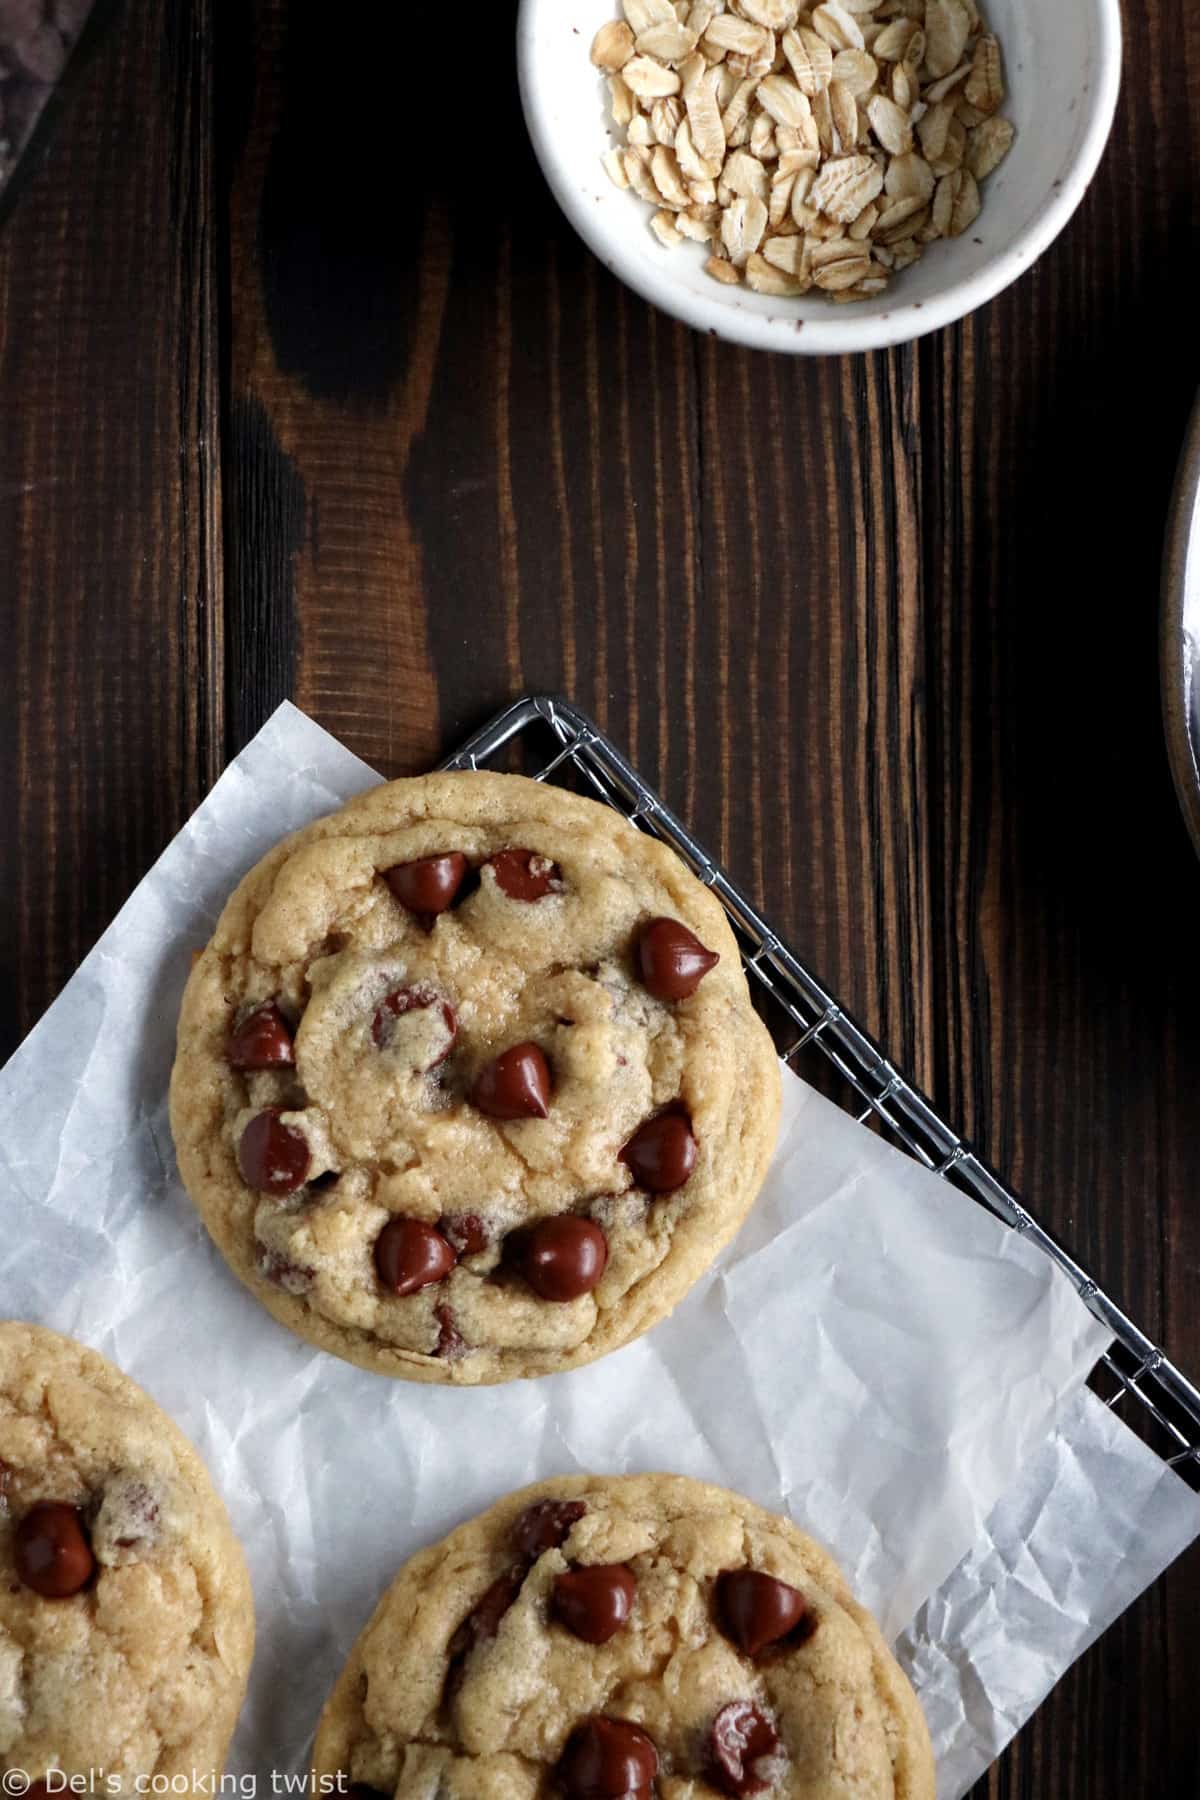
634, 1636
469, 1085
126, 1617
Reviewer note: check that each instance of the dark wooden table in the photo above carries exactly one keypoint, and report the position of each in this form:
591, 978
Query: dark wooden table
285, 410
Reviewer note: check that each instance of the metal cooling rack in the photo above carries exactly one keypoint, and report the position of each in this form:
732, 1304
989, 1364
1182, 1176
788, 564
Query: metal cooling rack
811, 1023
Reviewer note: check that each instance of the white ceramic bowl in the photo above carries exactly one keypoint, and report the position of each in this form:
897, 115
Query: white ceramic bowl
1063, 65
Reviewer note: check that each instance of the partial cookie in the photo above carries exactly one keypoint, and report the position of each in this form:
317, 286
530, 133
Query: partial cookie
468, 1083
126, 1618
631, 1636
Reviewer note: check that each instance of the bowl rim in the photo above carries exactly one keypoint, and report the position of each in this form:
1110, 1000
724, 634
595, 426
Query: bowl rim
1182, 547
841, 333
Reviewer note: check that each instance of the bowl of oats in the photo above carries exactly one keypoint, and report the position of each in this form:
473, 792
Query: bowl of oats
819, 179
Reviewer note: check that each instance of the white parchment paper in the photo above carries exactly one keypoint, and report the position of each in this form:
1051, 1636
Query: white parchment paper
874, 1355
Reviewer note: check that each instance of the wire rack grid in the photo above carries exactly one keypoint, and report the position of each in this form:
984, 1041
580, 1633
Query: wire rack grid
812, 1023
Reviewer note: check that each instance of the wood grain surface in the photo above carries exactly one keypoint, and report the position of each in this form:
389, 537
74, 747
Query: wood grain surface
279, 418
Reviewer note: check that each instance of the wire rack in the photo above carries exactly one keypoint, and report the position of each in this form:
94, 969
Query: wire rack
559, 743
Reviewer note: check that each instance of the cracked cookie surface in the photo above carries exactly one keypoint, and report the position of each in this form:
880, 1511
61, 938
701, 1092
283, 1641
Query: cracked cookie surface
468, 1083
126, 1618
636, 1635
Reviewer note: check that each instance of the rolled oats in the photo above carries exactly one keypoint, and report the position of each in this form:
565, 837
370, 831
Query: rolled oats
648, 79
988, 145
641, 14
856, 71
764, 278
838, 27
811, 60
809, 146
773, 13
947, 28
845, 186
612, 46
670, 43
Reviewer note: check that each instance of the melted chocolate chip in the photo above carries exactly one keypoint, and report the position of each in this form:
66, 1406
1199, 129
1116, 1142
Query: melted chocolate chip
410, 1255
564, 1257
483, 1621
273, 1157
754, 1610
137, 1505
51, 1550
262, 1041
429, 885
515, 1085
451, 1344
593, 1602
546, 1525
661, 1154
524, 875
358, 1790
671, 960
743, 1749
608, 1759
481, 1625
402, 1001
466, 1231
282, 1272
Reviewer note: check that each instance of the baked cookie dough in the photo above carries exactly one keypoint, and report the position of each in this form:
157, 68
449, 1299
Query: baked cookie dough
626, 1637
468, 1083
126, 1619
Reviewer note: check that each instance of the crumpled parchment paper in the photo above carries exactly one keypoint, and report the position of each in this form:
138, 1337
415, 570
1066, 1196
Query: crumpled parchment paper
875, 1355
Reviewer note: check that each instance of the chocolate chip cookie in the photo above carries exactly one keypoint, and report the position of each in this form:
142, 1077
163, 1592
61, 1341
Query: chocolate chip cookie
126, 1620
632, 1637
468, 1083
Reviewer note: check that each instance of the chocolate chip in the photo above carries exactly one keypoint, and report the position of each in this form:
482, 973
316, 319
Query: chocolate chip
661, 1154
51, 1550
466, 1231
524, 875
564, 1257
273, 1157
450, 1345
671, 960
282, 1272
358, 1790
127, 1520
428, 885
608, 1759
546, 1525
481, 1625
410, 1255
593, 1602
431, 1042
137, 1505
262, 1041
743, 1749
754, 1610
516, 1085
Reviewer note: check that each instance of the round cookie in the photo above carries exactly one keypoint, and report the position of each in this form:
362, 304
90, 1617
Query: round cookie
468, 1083
630, 1636
126, 1618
